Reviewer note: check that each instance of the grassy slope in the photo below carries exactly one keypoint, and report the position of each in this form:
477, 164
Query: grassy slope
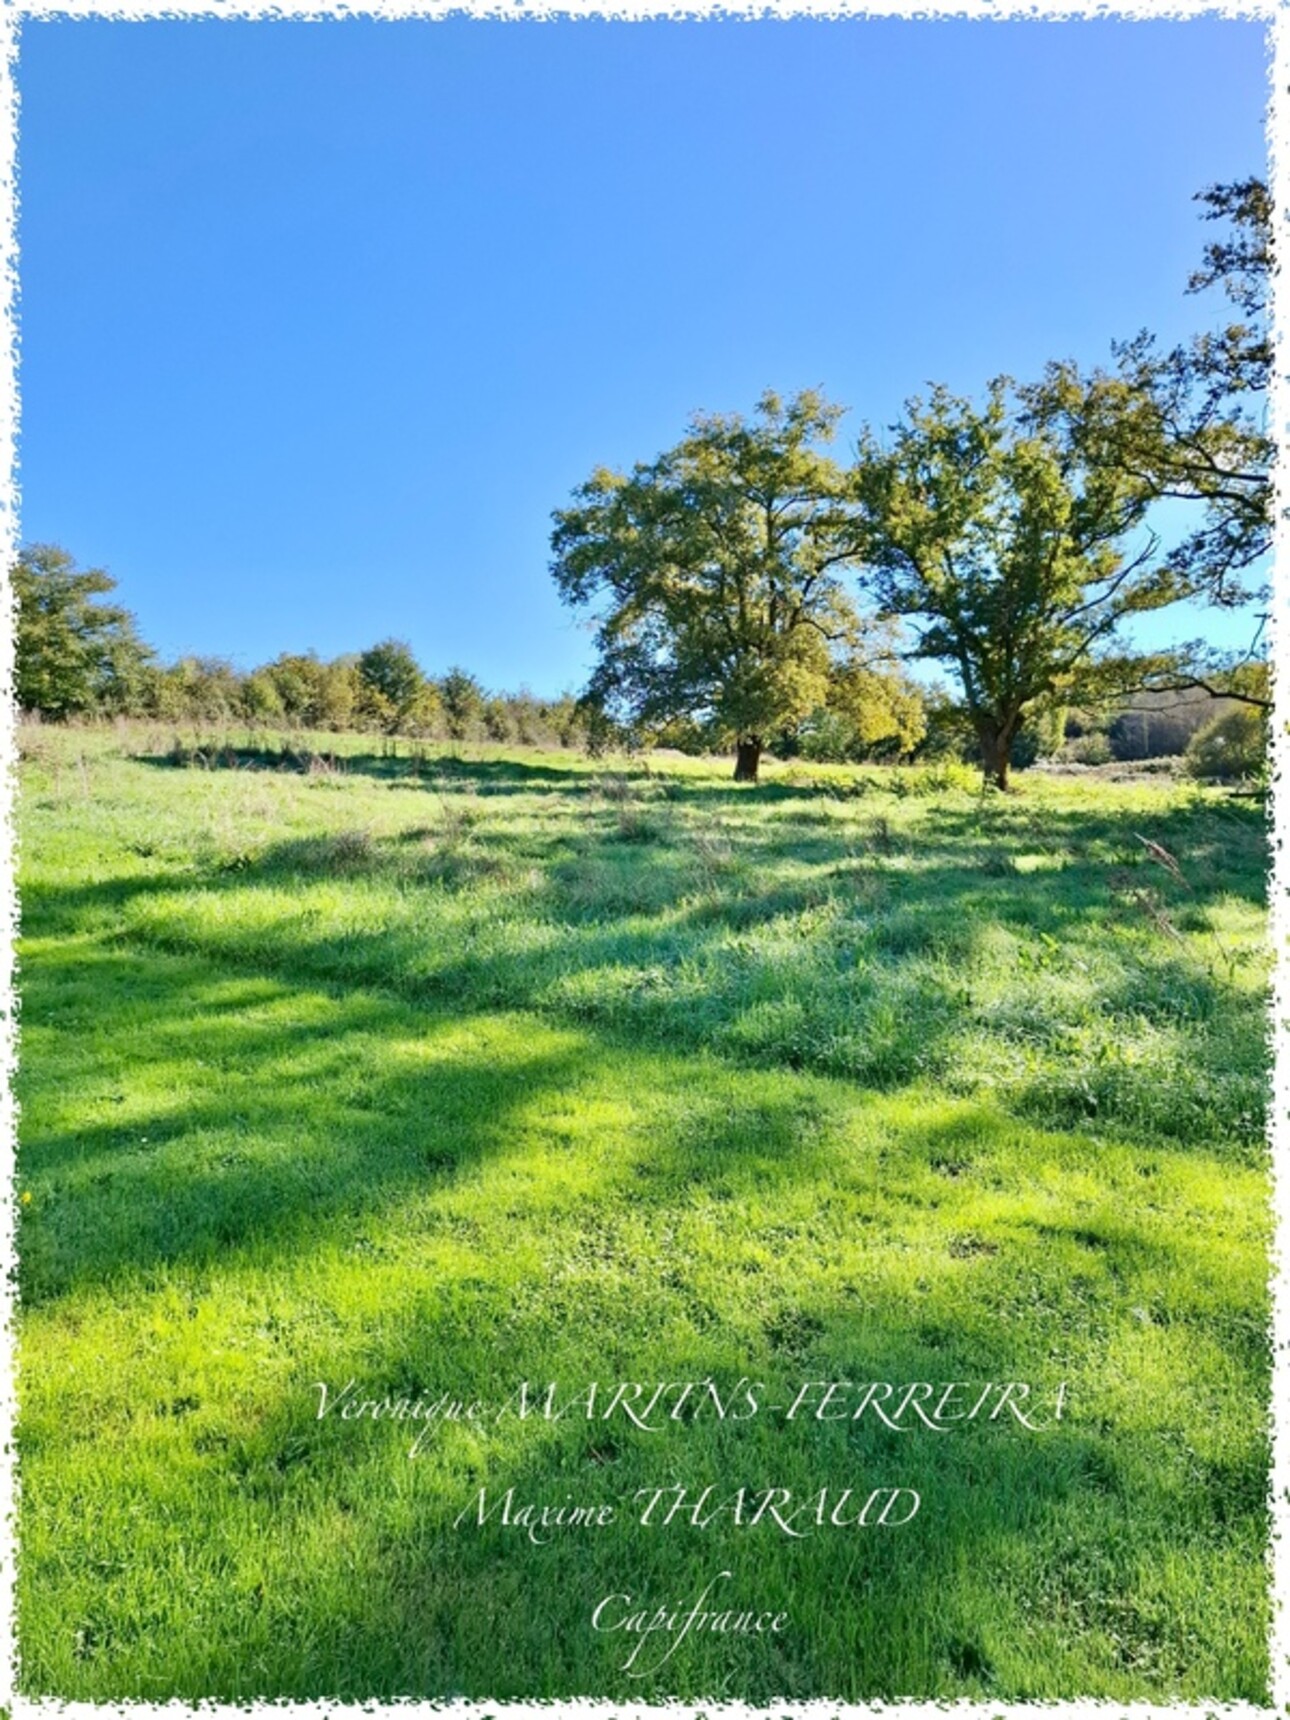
516, 1067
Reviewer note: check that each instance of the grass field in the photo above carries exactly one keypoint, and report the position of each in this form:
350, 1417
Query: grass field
442, 1072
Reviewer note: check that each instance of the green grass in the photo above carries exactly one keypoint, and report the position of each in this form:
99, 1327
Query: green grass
443, 1072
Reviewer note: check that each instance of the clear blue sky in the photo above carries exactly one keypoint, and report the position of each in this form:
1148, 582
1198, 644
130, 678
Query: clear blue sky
320, 321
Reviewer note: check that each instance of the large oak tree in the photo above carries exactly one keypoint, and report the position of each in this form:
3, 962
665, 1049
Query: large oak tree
714, 574
1012, 556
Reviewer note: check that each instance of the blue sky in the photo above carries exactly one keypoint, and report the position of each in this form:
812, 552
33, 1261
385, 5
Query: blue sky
320, 321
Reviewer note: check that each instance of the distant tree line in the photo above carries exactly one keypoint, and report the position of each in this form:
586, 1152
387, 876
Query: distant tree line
80, 657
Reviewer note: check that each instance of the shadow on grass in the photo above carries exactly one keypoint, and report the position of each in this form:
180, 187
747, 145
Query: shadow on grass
412, 766
1022, 1577
225, 1140
1043, 1563
871, 958
1220, 846
254, 1114
429, 1199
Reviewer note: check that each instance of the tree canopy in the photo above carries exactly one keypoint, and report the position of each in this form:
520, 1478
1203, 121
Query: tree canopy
1189, 424
1209, 399
1010, 553
74, 654
715, 575
391, 684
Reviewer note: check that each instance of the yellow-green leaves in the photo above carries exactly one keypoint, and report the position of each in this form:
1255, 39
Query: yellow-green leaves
715, 573
1013, 548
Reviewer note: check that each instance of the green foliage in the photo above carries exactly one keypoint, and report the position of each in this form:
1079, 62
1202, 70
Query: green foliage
713, 575
495, 717
258, 698
74, 655
881, 705
462, 699
525, 717
1233, 747
391, 685
1094, 748
314, 694
988, 529
207, 689
949, 734
383, 689
561, 719
1190, 422
871, 711
1042, 731
1024, 750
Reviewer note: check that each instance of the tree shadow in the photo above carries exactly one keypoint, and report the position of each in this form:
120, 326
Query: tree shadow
870, 958
413, 763
255, 1111
413, 766
1219, 846
1028, 1573
208, 1154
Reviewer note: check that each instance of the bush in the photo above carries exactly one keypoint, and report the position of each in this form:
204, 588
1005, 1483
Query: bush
258, 699
496, 719
462, 699
1024, 749
1089, 749
949, 733
1231, 748
390, 684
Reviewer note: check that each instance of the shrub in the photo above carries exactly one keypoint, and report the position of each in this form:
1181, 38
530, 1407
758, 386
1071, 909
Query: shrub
1231, 748
1090, 749
1040, 736
462, 699
258, 698
496, 719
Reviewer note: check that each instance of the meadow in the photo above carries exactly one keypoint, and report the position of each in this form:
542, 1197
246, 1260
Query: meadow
441, 1069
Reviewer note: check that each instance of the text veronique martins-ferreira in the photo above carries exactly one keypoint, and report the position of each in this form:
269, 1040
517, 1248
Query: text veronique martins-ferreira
940, 1407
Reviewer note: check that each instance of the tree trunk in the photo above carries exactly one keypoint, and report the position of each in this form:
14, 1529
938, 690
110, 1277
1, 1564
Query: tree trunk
747, 759
996, 744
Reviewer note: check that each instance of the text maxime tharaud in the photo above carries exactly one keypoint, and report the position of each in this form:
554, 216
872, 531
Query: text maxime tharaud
908, 1407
